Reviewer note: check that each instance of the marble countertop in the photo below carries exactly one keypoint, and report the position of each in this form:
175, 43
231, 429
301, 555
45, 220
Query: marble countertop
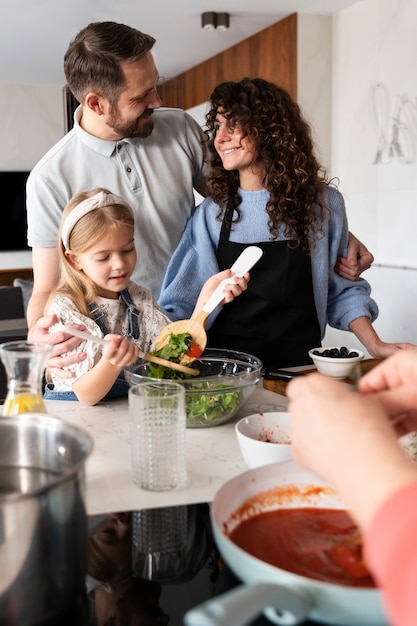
213, 455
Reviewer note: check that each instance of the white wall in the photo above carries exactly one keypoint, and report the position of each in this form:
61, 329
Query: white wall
314, 79
374, 43
32, 120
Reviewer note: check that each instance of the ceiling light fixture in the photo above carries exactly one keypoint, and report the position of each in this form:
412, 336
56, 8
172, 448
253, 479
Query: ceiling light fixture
211, 20
222, 21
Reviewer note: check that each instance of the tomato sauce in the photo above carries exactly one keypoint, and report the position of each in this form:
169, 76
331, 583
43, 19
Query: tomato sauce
324, 544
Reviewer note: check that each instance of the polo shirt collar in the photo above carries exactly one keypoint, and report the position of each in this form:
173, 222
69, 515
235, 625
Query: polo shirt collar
102, 146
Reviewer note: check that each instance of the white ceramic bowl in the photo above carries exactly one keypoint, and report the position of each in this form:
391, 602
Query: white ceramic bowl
336, 367
264, 438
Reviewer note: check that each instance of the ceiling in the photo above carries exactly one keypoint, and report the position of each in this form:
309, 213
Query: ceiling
34, 34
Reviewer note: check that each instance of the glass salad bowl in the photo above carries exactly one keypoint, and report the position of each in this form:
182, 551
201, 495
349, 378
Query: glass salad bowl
227, 378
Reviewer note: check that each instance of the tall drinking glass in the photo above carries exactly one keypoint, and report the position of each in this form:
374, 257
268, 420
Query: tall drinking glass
158, 431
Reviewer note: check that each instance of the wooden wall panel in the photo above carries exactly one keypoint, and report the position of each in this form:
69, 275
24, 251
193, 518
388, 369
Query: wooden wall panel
7, 276
270, 54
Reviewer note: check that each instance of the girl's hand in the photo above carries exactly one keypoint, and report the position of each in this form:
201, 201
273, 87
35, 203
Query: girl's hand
120, 352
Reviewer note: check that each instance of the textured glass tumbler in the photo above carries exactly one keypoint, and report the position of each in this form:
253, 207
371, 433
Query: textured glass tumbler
158, 428
160, 542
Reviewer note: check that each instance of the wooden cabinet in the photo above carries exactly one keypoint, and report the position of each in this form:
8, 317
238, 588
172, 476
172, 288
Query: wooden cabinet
270, 54
7, 276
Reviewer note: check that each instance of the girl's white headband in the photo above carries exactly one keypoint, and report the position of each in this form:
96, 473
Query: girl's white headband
97, 201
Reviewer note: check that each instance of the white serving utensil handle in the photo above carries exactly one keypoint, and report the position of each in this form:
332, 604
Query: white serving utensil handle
81, 334
87, 336
243, 264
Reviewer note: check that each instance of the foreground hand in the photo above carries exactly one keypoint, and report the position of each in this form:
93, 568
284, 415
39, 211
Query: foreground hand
347, 439
119, 351
357, 261
327, 423
393, 383
61, 342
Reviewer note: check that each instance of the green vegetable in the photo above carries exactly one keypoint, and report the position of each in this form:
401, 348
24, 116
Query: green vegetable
175, 349
210, 407
201, 407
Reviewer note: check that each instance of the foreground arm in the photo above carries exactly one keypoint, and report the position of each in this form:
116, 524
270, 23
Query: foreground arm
377, 348
45, 279
357, 261
45, 275
347, 439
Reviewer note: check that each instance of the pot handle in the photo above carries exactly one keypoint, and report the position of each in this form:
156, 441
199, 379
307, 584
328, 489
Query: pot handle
281, 605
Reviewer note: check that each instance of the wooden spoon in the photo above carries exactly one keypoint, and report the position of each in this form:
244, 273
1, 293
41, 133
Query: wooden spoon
196, 325
143, 355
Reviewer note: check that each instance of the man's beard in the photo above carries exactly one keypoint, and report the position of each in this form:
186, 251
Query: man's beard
136, 128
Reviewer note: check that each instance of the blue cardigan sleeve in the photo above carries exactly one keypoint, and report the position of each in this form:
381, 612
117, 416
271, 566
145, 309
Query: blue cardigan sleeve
192, 263
338, 301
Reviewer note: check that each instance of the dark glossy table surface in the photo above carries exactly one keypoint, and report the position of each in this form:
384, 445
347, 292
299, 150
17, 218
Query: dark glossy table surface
163, 563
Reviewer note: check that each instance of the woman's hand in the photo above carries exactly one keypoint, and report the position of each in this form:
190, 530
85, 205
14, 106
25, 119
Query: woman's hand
231, 290
382, 349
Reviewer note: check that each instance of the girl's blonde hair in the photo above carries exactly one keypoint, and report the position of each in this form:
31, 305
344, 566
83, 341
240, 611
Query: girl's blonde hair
86, 233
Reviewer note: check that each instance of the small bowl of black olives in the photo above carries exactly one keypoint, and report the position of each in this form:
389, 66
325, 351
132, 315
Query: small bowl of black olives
336, 362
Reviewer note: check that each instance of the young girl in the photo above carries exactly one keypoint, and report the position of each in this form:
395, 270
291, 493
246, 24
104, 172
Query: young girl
97, 257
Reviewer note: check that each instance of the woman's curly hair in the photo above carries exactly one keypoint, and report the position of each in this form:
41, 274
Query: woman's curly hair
273, 121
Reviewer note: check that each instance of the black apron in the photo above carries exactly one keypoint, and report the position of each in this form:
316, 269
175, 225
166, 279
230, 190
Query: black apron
276, 318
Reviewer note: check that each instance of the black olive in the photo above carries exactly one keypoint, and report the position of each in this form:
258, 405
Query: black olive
337, 353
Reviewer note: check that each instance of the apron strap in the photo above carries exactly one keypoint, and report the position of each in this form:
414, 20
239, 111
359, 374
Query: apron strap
226, 226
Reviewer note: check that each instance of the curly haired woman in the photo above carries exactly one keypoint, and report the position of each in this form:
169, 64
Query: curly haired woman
267, 188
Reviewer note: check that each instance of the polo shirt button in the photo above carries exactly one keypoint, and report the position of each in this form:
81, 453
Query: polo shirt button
128, 170
119, 146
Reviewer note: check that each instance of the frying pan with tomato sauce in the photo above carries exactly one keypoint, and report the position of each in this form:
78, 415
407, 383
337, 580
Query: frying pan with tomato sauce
288, 593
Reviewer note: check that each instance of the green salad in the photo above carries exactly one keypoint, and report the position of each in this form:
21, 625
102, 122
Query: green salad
206, 402
211, 407
174, 350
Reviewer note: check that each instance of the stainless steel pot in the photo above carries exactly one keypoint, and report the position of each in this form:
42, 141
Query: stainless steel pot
43, 524
285, 598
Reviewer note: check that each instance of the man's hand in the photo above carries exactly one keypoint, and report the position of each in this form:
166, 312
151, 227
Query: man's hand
61, 343
357, 261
